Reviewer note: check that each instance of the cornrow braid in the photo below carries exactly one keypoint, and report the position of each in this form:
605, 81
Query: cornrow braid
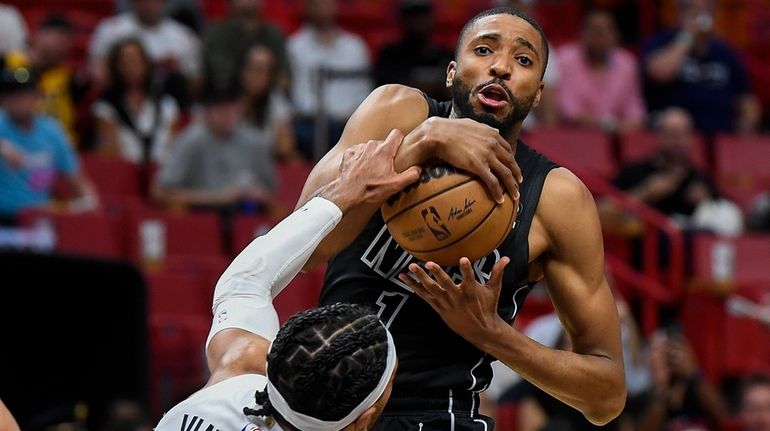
325, 361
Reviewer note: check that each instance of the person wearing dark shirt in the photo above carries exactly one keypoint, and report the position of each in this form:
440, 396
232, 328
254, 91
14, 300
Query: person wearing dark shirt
414, 60
225, 43
693, 68
667, 180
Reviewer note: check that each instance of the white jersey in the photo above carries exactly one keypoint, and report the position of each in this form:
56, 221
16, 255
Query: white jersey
220, 408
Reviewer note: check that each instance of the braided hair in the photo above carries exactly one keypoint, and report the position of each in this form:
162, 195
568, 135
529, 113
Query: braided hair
325, 361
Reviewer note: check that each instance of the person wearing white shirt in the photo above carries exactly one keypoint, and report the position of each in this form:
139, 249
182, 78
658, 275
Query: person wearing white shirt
170, 44
321, 53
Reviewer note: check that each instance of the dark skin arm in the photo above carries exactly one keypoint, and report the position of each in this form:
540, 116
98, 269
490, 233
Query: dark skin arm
465, 143
590, 378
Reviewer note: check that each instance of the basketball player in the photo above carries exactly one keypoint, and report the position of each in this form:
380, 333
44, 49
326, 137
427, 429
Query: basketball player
331, 368
446, 342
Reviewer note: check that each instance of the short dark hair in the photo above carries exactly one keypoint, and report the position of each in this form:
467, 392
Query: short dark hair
338, 350
508, 11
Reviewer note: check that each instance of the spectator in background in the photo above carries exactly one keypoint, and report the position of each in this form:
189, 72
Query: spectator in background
603, 86
186, 12
13, 30
667, 180
134, 119
414, 60
321, 53
695, 69
47, 55
681, 398
546, 114
33, 150
755, 403
758, 218
172, 46
225, 43
218, 163
265, 110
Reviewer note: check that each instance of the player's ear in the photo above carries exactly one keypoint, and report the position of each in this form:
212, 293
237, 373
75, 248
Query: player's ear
366, 420
538, 95
451, 69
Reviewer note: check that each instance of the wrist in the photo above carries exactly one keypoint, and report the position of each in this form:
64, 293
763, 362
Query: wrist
335, 193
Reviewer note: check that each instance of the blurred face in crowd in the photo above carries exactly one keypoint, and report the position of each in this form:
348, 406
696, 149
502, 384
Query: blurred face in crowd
675, 133
497, 75
22, 106
755, 408
321, 12
599, 36
132, 65
699, 13
223, 116
258, 71
149, 12
53, 45
245, 8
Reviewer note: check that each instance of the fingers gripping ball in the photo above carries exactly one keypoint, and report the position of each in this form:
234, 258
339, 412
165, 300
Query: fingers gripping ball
447, 215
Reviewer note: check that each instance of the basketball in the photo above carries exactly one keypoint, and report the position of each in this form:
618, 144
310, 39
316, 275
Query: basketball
447, 215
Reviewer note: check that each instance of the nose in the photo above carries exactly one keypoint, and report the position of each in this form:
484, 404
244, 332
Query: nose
501, 68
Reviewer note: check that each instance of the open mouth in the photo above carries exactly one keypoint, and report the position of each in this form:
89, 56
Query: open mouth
493, 96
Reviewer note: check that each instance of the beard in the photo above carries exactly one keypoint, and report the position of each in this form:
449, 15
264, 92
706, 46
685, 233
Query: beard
519, 107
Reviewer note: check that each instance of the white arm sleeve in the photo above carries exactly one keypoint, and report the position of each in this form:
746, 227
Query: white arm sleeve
243, 297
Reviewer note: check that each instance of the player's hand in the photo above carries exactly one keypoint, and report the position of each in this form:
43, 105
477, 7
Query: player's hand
472, 146
468, 308
367, 174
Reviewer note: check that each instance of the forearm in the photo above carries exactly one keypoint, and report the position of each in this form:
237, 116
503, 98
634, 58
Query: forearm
656, 412
587, 382
664, 64
711, 401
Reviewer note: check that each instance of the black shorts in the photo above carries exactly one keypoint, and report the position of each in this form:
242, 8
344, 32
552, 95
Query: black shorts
434, 412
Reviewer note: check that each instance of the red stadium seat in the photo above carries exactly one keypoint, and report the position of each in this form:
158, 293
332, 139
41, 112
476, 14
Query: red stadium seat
178, 294
291, 177
193, 234
741, 166
113, 176
741, 260
702, 317
507, 417
637, 146
246, 228
177, 359
747, 341
93, 234
206, 268
580, 148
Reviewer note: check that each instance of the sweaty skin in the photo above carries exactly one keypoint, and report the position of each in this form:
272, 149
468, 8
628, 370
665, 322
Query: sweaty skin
565, 241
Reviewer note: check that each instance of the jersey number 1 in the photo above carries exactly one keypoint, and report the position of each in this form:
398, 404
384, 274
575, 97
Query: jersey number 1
390, 304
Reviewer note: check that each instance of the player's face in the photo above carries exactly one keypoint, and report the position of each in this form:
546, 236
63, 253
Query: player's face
756, 408
496, 78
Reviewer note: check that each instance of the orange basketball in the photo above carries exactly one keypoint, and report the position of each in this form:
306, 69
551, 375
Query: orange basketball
447, 215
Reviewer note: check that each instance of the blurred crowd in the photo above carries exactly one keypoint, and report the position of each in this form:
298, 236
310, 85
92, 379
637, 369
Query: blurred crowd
209, 108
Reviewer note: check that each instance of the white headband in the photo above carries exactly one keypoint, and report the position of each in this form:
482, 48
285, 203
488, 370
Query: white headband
308, 423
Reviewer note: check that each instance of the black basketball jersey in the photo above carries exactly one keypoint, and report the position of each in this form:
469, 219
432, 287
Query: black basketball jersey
432, 356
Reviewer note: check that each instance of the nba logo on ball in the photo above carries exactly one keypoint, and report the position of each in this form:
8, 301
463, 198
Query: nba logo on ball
455, 208
436, 226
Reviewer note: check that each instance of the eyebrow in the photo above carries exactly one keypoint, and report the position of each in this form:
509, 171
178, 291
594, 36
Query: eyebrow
497, 37
528, 44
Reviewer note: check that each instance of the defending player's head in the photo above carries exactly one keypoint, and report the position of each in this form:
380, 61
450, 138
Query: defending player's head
497, 74
330, 368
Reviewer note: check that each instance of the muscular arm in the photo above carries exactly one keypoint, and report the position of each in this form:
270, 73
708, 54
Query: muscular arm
464, 143
590, 378
388, 107
569, 244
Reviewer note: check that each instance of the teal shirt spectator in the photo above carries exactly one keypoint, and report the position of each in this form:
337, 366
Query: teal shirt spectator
47, 153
